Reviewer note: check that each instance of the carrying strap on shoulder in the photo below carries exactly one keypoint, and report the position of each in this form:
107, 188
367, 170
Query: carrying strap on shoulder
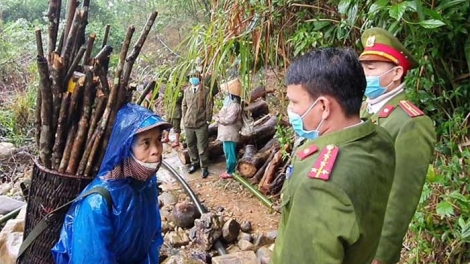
50, 217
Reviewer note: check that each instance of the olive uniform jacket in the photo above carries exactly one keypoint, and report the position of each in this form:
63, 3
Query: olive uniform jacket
197, 107
414, 138
334, 199
175, 112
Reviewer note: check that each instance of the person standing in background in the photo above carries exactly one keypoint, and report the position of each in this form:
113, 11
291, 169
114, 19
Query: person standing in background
197, 109
230, 123
386, 62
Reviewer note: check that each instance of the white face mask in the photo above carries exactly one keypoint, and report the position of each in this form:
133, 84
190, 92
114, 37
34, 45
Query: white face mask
153, 165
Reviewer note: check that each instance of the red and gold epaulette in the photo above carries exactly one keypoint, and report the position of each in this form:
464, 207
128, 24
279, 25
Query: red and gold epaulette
411, 109
386, 111
302, 154
324, 164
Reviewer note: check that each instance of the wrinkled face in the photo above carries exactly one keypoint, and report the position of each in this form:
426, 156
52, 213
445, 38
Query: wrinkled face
299, 102
377, 68
147, 146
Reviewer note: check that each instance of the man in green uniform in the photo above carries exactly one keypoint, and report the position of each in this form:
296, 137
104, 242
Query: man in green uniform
386, 62
335, 194
197, 113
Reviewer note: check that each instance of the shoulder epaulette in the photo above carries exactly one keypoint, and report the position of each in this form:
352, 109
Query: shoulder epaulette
324, 164
302, 154
411, 109
386, 111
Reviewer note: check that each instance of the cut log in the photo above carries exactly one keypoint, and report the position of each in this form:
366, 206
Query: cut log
259, 174
252, 160
263, 132
257, 109
270, 173
258, 92
215, 150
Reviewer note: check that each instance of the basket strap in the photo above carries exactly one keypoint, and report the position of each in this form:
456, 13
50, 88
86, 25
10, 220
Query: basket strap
47, 220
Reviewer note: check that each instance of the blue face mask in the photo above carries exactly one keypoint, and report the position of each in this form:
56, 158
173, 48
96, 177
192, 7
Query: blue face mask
194, 81
298, 125
373, 88
227, 100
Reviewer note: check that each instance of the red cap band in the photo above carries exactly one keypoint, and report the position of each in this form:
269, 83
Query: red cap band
389, 53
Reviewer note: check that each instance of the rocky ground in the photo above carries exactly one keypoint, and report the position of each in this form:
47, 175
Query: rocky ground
244, 226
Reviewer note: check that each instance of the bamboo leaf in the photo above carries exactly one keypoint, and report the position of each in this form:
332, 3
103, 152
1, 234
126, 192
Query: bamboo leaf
444, 209
448, 4
397, 11
431, 23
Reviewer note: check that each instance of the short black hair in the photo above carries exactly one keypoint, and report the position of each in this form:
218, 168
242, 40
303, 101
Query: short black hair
331, 71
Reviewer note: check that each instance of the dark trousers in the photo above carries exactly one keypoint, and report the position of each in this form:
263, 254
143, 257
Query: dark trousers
198, 143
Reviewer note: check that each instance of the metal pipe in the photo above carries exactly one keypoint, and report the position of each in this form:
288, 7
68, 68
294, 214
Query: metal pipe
202, 210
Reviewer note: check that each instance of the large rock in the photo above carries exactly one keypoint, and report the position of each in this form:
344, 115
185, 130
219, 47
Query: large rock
260, 240
206, 231
184, 214
167, 199
177, 238
245, 236
230, 230
244, 257
6, 150
11, 238
7, 204
264, 255
184, 257
246, 226
246, 245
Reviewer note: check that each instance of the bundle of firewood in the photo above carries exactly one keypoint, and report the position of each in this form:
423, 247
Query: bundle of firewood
76, 106
261, 155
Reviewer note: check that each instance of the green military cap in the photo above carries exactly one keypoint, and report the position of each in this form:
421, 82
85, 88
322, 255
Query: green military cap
380, 45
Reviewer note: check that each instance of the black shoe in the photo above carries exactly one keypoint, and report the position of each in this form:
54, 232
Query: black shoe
205, 173
193, 168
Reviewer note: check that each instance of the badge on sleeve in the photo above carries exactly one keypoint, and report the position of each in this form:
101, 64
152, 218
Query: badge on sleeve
303, 154
289, 170
324, 164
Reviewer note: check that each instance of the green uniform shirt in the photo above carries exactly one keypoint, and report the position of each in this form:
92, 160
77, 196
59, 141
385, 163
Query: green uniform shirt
197, 107
338, 220
414, 140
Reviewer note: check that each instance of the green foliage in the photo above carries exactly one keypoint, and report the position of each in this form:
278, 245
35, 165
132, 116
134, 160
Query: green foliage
285, 136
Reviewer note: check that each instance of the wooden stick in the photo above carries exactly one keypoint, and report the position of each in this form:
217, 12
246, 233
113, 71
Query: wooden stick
97, 112
104, 53
106, 35
121, 93
74, 65
53, 16
76, 97
58, 149
57, 71
39, 42
82, 131
150, 86
106, 124
89, 49
58, 49
45, 139
135, 52
86, 155
70, 40
109, 114
103, 78
68, 148
37, 119
80, 38
71, 8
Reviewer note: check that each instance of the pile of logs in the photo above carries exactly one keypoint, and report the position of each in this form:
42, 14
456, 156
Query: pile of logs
76, 106
261, 158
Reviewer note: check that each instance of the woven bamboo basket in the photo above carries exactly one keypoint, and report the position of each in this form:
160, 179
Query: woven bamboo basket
49, 190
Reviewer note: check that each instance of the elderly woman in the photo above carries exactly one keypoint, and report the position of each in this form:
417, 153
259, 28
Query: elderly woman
128, 231
230, 123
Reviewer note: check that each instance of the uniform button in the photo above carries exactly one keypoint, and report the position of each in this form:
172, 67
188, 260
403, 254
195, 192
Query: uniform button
306, 151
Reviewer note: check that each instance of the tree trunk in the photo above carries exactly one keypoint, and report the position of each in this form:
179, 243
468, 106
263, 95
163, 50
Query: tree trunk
258, 92
251, 162
257, 109
270, 173
263, 132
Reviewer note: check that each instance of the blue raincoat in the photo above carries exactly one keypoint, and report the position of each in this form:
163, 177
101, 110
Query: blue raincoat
131, 232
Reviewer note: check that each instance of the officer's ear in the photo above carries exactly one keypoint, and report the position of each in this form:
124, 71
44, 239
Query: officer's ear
325, 103
398, 73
